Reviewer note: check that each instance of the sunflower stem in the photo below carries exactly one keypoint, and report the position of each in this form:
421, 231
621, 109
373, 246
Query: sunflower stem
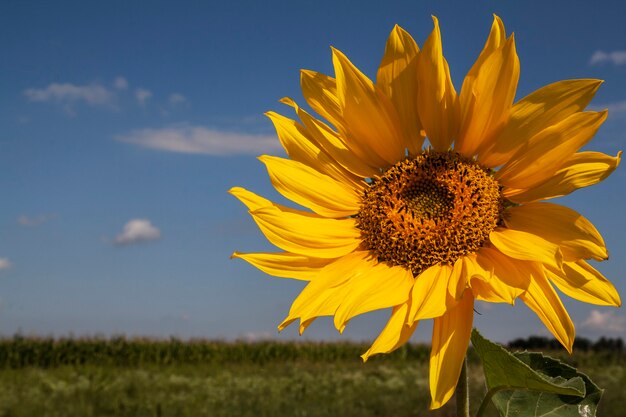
462, 392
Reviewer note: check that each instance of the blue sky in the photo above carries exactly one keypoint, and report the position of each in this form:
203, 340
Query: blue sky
125, 123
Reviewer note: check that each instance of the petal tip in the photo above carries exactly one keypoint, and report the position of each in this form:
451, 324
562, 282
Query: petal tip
288, 101
234, 191
434, 405
288, 320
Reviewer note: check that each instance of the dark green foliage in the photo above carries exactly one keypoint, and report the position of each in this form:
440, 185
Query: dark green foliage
161, 378
19, 352
528, 383
517, 403
581, 344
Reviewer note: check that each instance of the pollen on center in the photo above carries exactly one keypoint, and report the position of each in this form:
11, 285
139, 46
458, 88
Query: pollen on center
431, 209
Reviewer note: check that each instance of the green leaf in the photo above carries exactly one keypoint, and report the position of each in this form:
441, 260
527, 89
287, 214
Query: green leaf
520, 403
503, 370
530, 384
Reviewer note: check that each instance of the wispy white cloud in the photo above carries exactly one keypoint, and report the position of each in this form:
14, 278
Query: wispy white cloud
605, 322
25, 220
112, 95
142, 95
67, 93
614, 57
137, 231
120, 83
177, 98
201, 140
5, 264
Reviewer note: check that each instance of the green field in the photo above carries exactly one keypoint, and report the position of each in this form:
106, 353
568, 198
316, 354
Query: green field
172, 378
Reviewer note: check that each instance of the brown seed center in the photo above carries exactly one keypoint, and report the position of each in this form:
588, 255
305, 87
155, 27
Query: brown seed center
431, 209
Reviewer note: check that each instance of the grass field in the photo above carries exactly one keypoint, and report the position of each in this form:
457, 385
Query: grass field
323, 380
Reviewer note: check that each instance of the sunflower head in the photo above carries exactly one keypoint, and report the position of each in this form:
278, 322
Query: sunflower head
423, 200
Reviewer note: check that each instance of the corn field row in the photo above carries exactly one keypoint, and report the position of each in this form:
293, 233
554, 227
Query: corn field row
20, 352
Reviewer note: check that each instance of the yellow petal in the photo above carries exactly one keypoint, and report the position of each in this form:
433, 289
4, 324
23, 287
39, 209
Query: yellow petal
285, 264
575, 235
255, 202
580, 170
479, 272
429, 297
436, 99
333, 144
488, 92
451, 334
464, 268
581, 281
496, 39
322, 296
306, 234
302, 147
310, 189
537, 111
368, 116
526, 246
544, 301
378, 287
541, 156
320, 92
499, 278
395, 334
397, 79
492, 291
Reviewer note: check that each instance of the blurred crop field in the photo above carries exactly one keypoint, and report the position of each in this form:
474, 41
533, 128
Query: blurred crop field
142, 377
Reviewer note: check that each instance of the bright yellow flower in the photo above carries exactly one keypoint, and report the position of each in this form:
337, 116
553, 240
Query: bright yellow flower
426, 231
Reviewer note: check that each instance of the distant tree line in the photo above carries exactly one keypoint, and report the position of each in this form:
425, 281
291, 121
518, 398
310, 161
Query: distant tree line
581, 344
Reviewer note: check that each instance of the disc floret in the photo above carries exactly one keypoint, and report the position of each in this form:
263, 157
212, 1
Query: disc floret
430, 209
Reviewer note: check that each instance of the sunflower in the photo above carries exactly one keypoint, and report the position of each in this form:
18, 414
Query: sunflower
427, 230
